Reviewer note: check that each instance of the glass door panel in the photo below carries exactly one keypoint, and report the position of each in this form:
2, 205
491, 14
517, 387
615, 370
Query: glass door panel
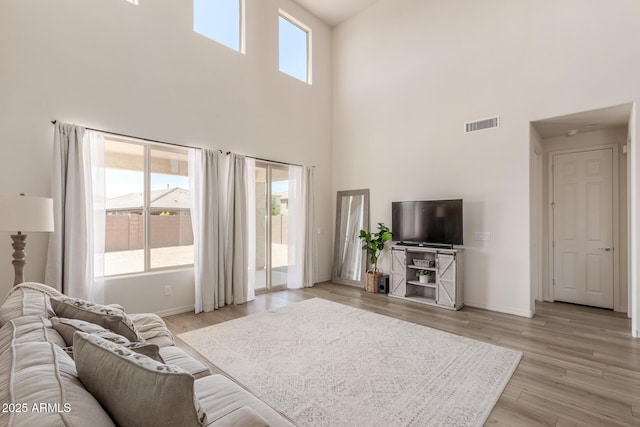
279, 225
272, 249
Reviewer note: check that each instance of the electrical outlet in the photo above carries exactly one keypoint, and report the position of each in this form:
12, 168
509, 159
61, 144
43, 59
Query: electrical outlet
167, 290
482, 235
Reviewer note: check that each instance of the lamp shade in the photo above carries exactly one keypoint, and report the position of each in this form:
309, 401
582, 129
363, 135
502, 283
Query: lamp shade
22, 213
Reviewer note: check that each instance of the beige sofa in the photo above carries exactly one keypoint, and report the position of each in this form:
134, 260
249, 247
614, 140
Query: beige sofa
114, 379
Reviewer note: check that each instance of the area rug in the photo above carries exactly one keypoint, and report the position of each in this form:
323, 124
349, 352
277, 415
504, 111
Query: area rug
326, 364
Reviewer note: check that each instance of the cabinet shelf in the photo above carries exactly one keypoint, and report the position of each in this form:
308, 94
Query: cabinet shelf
415, 267
426, 285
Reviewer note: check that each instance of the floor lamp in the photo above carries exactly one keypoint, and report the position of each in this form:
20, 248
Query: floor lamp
22, 213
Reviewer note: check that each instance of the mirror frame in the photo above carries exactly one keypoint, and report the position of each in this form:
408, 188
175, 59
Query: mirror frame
336, 252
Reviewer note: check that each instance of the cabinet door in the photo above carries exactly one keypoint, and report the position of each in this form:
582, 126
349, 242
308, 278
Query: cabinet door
398, 265
398, 285
446, 280
398, 261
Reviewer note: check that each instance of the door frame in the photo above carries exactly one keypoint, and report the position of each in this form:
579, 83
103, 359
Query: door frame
616, 218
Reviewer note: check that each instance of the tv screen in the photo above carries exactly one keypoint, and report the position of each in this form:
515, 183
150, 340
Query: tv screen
437, 222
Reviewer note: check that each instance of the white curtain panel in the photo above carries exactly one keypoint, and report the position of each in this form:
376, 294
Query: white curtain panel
250, 165
308, 195
76, 248
296, 231
204, 176
237, 236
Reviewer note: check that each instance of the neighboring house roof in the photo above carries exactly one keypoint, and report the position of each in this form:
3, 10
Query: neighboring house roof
169, 199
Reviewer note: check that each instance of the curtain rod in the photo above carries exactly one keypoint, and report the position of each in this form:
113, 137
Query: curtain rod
179, 145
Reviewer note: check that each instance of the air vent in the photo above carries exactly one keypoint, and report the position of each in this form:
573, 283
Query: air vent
483, 124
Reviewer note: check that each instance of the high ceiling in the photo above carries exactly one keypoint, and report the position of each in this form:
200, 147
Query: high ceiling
334, 12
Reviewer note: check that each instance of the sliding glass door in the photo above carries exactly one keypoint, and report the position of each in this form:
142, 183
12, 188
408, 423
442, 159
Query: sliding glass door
272, 225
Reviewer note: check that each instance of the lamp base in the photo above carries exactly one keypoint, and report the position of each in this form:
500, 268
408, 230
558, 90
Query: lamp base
19, 243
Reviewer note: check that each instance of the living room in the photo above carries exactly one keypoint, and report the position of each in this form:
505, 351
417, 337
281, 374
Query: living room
391, 89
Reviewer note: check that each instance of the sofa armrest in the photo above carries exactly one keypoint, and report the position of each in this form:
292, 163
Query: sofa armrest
152, 328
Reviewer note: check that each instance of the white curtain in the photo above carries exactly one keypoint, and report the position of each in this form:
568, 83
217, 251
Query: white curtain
296, 231
220, 229
236, 228
250, 165
301, 242
75, 261
308, 196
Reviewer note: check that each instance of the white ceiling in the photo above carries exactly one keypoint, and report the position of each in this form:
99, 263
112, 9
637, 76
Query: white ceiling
584, 122
334, 12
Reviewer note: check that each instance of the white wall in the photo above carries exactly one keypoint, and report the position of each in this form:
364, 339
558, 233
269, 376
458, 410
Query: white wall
409, 73
142, 71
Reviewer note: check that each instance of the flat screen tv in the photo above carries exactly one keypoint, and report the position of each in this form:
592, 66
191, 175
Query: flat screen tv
429, 222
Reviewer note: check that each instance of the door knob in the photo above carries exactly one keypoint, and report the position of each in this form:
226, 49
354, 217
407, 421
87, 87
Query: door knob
607, 249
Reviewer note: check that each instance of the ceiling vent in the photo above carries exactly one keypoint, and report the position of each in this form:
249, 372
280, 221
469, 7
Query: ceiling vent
483, 124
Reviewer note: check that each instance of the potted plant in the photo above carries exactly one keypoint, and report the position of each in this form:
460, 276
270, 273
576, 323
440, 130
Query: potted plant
373, 243
423, 275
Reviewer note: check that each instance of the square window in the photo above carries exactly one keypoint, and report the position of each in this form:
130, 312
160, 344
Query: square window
294, 48
219, 20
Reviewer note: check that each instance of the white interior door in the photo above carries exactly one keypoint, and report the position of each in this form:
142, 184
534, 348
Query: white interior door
583, 227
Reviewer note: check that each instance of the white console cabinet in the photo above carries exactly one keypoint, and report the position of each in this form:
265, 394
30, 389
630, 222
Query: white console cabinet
444, 284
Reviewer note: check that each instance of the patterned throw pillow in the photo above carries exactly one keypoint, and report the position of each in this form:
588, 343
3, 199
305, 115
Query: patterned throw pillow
68, 327
108, 317
168, 396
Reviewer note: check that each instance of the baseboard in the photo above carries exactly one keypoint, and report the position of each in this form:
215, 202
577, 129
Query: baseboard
177, 310
521, 313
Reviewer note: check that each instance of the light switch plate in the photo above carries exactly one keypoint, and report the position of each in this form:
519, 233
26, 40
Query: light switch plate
482, 235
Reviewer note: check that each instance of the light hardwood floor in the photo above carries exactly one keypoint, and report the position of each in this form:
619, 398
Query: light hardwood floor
581, 367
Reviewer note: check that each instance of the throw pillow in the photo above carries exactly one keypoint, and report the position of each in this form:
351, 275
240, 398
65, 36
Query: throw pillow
103, 315
67, 327
133, 389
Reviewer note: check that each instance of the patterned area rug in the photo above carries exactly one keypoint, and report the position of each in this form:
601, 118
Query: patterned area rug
327, 364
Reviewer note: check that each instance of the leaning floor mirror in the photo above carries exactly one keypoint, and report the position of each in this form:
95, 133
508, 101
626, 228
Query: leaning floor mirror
352, 215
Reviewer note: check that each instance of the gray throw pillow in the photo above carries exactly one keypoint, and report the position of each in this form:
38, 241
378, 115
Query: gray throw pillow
67, 327
134, 389
108, 317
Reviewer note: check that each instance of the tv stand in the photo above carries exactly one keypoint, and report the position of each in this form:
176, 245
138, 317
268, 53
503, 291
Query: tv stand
444, 285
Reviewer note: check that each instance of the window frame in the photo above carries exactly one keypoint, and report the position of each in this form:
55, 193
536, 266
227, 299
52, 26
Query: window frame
296, 22
146, 197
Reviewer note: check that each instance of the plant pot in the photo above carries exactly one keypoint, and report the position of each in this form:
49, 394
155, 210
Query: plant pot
371, 282
423, 279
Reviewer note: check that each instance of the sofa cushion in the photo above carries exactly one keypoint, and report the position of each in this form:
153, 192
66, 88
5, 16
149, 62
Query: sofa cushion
40, 382
219, 396
134, 389
28, 329
244, 416
108, 317
173, 355
27, 299
152, 328
67, 327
